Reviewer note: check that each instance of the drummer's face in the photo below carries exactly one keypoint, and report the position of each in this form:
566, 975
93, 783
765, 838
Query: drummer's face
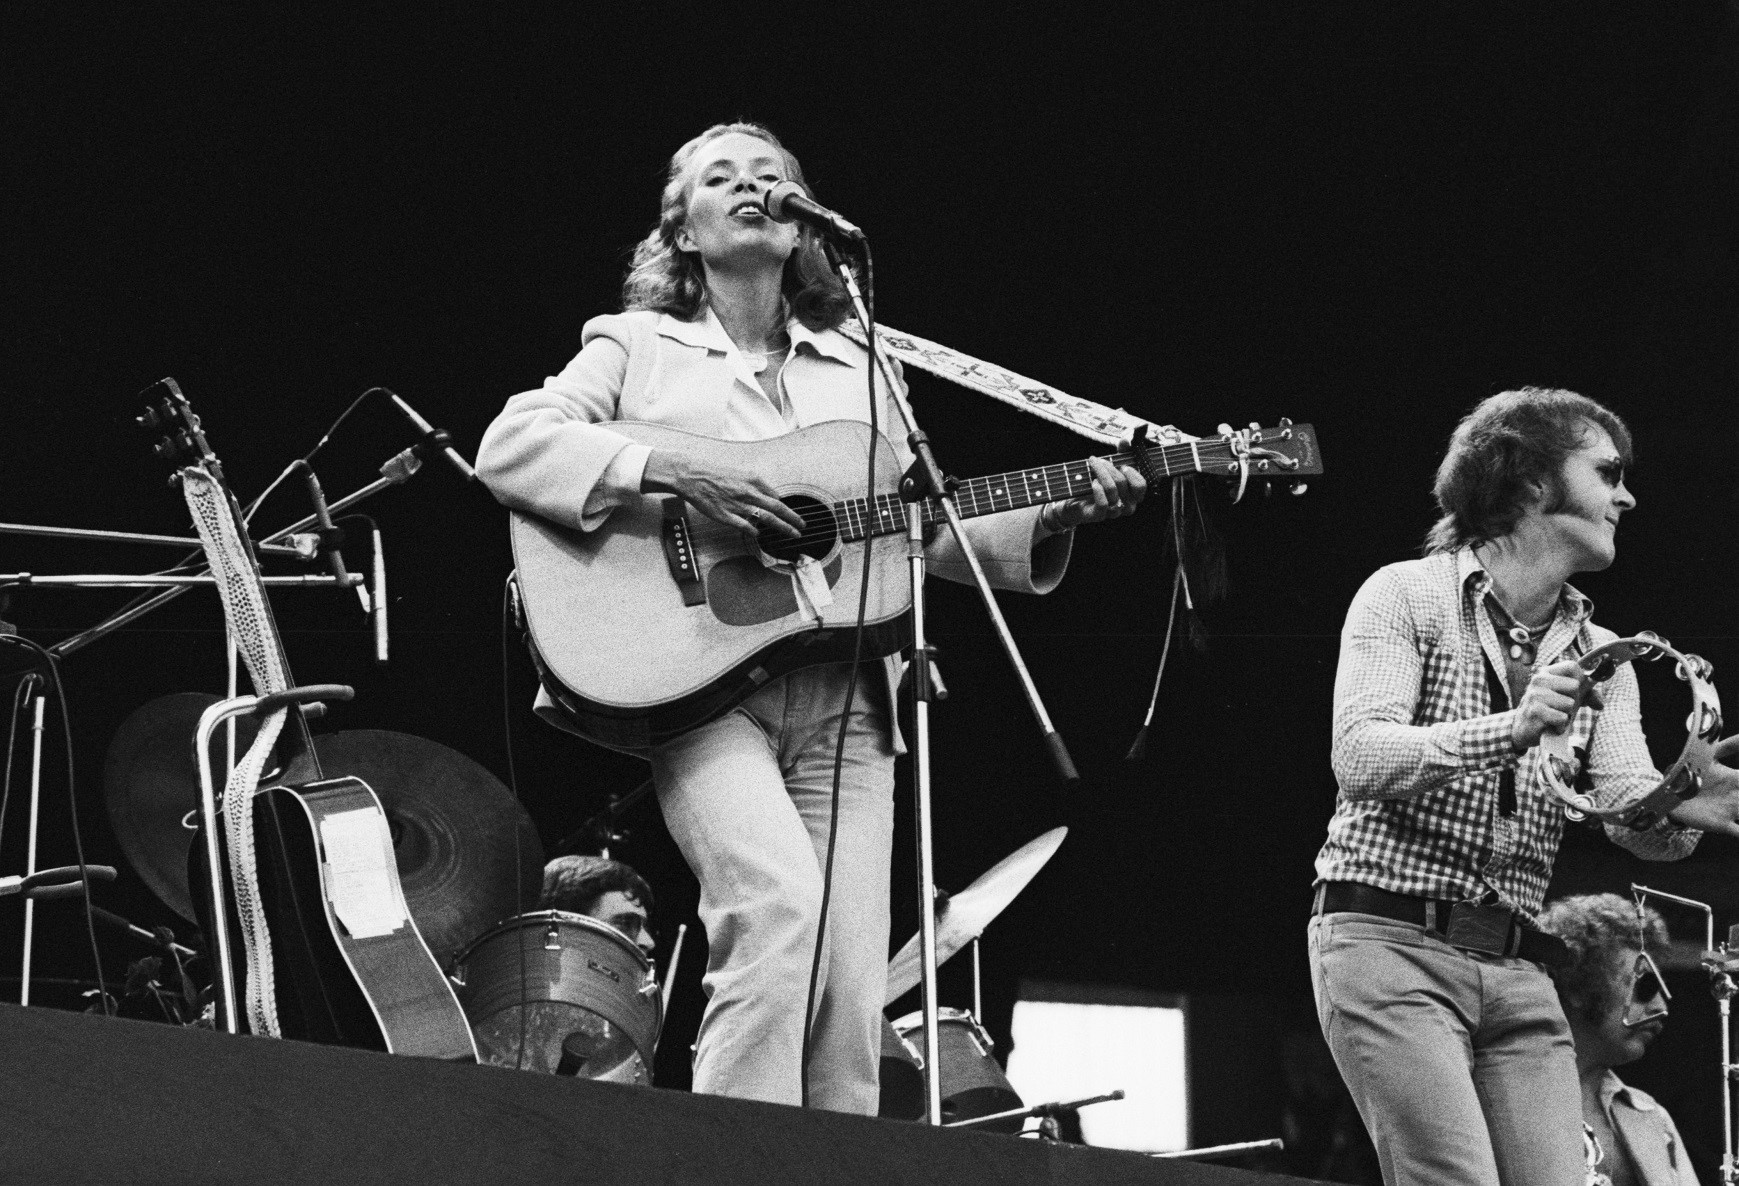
627, 915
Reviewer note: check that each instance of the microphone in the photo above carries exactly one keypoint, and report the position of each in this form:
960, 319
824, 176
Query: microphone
439, 437
377, 573
786, 202
330, 536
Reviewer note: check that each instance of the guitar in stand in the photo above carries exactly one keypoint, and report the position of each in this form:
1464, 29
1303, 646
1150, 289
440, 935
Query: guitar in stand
322, 880
662, 620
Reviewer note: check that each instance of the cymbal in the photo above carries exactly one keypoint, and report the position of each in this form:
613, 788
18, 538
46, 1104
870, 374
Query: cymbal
458, 834
962, 918
467, 853
151, 785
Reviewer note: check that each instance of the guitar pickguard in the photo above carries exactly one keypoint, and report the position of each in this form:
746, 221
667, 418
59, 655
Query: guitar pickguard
742, 591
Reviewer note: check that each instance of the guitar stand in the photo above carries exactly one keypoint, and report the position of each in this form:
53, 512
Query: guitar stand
222, 970
922, 481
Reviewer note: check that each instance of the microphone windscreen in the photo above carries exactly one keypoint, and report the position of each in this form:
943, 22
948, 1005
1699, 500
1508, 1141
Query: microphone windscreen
777, 197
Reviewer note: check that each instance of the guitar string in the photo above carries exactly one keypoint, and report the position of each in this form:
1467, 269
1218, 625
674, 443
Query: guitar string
822, 524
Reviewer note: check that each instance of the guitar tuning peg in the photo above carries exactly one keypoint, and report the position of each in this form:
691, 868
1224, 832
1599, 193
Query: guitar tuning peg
1299, 488
1255, 427
1285, 422
149, 420
1267, 489
1224, 429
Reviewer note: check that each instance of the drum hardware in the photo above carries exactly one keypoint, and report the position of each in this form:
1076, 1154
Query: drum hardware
670, 968
590, 1004
971, 1082
960, 918
64, 881
1720, 962
600, 832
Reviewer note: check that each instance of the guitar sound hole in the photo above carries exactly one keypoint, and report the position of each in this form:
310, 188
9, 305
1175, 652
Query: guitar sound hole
819, 532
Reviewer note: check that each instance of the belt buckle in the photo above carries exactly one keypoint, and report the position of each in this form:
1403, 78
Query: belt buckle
1482, 927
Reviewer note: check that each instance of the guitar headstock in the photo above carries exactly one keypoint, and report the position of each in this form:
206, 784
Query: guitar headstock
1287, 450
181, 441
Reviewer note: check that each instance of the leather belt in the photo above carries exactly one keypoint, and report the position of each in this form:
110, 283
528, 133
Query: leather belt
1491, 929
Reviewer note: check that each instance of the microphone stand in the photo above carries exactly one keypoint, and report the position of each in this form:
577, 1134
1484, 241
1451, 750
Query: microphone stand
397, 470
924, 481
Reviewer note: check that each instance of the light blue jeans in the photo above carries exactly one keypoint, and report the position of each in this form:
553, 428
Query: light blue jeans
747, 800
1461, 1064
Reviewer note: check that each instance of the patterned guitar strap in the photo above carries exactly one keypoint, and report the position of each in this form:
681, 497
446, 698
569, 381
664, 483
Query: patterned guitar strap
1108, 426
250, 625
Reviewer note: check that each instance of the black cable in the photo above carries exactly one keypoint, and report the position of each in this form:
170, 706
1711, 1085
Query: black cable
320, 444
72, 805
513, 785
20, 695
195, 559
851, 682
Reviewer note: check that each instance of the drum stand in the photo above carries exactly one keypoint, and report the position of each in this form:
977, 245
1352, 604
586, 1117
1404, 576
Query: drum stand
1720, 962
925, 481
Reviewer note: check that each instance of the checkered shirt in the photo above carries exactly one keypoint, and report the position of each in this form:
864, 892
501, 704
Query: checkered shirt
1419, 752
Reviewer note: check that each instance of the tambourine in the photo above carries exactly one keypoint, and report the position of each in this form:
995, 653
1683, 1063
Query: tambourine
1684, 778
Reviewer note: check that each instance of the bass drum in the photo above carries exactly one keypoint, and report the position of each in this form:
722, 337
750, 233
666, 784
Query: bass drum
972, 1082
588, 1002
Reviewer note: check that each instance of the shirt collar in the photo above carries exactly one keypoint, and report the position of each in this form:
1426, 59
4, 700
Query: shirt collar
709, 334
1613, 1088
1469, 571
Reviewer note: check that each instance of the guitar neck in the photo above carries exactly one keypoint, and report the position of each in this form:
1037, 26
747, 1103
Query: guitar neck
1028, 487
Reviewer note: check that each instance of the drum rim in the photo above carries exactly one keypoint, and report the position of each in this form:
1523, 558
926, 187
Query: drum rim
912, 1021
584, 921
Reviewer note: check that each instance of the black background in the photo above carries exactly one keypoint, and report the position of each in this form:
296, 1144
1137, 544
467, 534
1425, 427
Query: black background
1362, 216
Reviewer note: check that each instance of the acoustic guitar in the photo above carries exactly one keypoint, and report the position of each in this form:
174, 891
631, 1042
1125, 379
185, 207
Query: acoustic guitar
352, 968
662, 619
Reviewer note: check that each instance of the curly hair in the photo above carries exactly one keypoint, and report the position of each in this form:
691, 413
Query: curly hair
1591, 925
1510, 443
577, 882
666, 280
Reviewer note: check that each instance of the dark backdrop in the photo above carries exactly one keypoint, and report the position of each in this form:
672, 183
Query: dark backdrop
1360, 216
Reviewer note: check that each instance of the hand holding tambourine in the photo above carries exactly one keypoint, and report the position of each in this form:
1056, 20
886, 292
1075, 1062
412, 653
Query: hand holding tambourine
1700, 790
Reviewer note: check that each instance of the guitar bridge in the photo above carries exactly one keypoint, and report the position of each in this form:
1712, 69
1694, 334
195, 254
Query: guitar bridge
679, 553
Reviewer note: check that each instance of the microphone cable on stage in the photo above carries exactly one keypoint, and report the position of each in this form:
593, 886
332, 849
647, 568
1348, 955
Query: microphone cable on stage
874, 518
52, 665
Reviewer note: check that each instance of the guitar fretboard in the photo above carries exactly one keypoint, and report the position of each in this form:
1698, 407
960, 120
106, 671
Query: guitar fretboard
1020, 488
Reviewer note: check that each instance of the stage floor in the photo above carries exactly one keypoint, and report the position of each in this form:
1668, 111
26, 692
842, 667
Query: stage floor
90, 1099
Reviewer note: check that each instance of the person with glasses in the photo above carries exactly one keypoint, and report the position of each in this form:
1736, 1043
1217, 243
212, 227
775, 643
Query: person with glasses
1428, 968
1616, 1003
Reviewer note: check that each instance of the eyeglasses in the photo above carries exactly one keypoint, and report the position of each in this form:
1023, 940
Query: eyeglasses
1648, 993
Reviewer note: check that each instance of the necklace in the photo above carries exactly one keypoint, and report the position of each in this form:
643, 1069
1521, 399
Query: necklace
1524, 640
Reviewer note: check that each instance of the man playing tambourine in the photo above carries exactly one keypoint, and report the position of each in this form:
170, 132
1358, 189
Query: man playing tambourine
1429, 973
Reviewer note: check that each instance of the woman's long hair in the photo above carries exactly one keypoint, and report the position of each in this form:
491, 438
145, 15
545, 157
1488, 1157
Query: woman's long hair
666, 280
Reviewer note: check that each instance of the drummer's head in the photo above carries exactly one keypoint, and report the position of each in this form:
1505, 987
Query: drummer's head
606, 890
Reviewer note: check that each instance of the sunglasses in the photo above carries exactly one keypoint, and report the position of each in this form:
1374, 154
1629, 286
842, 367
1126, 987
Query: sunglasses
1648, 992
